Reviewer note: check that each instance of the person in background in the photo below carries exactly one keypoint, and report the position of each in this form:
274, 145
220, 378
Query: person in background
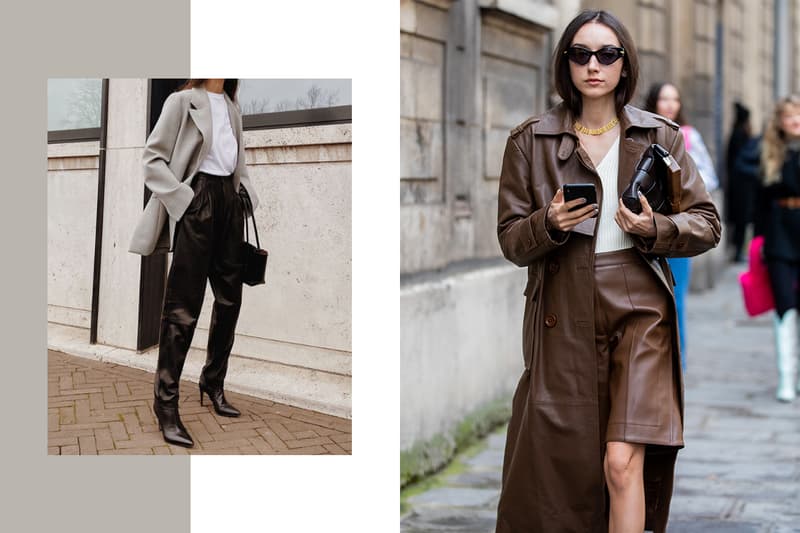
742, 186
665, 99
778, 220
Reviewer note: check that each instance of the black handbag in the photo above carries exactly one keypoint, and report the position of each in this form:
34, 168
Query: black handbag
254, 259
658, 178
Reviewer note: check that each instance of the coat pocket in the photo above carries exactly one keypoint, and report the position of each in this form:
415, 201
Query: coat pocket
532, 288
529, 319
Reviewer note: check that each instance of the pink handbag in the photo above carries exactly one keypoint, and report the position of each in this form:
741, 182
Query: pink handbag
755, 282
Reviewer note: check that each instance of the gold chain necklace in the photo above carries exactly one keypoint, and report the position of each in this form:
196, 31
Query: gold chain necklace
596, 131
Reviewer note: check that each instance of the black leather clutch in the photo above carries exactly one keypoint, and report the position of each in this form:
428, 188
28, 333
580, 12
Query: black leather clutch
651, 179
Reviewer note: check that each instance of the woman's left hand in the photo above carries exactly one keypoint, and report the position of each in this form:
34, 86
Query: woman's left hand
642, 224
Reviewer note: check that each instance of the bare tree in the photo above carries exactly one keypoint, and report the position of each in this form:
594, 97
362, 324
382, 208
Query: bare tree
333, 98
316, 96
256, 106
283, 105
84, 105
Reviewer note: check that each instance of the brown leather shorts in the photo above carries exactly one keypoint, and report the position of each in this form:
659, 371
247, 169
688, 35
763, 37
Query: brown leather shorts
638, 392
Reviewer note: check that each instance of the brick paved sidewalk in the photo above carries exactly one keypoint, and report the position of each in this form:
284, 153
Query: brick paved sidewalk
104, 408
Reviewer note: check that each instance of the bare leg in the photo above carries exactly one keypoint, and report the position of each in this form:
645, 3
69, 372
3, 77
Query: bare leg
624, 468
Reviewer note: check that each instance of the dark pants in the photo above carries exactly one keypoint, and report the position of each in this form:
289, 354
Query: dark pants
784, 277
207, 242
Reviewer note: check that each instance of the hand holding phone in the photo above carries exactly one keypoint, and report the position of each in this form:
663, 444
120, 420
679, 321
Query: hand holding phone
564, 214
573, 191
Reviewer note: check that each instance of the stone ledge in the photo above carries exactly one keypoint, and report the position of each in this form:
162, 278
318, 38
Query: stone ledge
318, 153
285, 352
62, 163
302, 136
73, 149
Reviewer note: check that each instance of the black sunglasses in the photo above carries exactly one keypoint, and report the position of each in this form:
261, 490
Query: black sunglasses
605, 56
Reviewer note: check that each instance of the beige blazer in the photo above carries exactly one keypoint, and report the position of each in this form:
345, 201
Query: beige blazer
179, 142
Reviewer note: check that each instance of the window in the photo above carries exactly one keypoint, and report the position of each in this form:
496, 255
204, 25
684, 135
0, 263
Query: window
73, 109
294, 102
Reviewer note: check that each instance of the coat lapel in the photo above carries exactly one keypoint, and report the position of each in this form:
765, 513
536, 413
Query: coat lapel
200, 112
236, 124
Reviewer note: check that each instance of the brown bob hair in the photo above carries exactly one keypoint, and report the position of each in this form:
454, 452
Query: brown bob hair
230, 86
624, 91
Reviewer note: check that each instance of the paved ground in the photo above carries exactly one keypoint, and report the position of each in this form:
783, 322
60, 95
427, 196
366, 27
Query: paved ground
740, 470
104, 408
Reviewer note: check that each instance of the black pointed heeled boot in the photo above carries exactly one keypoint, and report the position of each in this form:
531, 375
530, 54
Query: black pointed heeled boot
221, 405
169, 422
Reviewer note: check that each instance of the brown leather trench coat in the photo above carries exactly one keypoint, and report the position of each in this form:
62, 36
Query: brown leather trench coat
553, 478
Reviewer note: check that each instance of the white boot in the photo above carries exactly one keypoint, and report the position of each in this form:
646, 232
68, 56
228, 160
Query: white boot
786, 343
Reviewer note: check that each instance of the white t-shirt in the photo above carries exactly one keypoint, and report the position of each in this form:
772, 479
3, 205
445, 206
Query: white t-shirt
221, 159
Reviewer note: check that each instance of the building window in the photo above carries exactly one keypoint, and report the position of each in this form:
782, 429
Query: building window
73, 109
299, 102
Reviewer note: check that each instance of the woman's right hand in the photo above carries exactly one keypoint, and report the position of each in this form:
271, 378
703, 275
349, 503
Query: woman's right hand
559, 216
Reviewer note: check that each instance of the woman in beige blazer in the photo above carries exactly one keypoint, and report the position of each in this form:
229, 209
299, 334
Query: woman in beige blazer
195, 167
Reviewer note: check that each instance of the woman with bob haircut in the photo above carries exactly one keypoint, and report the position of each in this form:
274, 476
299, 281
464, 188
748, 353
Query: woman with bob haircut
194, 164
597, 417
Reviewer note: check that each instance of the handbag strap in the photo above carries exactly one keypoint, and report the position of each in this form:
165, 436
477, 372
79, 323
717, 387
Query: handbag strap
674, 179
252, 215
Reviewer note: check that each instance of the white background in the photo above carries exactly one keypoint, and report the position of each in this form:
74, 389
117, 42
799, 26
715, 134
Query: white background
323, 39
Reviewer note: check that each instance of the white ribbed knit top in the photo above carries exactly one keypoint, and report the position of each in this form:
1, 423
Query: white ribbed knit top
610, 236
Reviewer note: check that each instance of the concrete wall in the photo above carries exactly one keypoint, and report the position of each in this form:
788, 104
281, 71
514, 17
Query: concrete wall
461, 346
293, 341
71, 212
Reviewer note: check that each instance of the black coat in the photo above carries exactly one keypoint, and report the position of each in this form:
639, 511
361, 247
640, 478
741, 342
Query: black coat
742, 185
779, 225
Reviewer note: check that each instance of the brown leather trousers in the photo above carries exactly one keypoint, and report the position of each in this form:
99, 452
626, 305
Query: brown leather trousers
207, 244
638, 391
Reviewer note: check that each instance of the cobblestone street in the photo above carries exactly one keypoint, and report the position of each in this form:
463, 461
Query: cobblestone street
740, 469
101, 408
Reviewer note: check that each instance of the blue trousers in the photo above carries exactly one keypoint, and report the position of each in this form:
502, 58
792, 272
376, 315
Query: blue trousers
681, 270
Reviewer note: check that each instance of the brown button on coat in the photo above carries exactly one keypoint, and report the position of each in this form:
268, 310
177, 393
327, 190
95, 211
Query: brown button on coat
553, 478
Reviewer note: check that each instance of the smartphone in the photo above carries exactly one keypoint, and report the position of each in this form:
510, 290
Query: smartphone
580, 190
